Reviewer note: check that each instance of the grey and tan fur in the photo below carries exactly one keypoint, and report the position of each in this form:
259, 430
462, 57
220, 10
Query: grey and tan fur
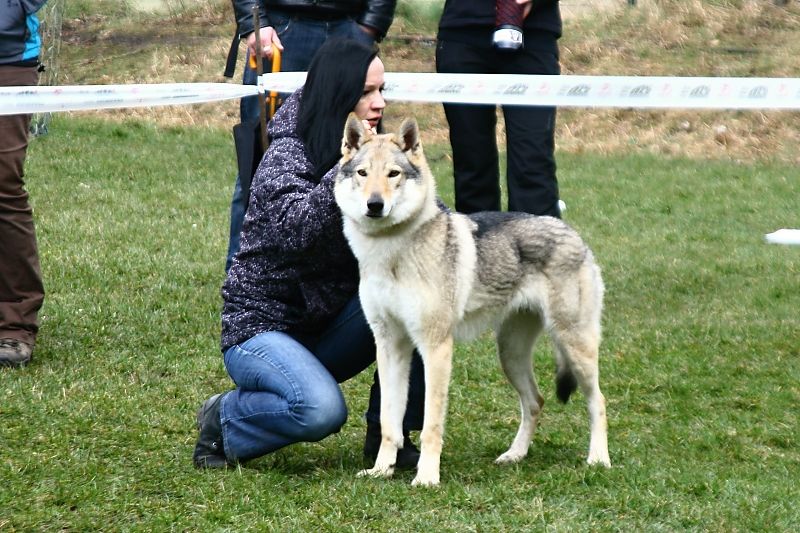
429, 277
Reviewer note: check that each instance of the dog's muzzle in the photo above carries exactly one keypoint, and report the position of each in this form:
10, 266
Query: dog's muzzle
375, 206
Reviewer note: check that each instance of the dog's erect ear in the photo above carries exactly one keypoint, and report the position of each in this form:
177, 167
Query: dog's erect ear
408, 135
354, 133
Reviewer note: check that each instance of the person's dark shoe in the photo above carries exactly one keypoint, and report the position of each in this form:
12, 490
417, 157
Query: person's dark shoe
14, 353
209, 452
407, 456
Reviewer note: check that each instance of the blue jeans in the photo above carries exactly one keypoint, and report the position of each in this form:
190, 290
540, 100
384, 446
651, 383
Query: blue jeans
301, 38
287, 386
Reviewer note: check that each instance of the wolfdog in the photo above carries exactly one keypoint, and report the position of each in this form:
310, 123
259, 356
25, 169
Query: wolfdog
429, 276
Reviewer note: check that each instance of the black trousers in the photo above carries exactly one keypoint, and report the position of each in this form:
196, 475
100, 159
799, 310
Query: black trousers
530, 131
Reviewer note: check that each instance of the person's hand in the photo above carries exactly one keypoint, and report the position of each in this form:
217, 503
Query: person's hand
269, 37
528, 7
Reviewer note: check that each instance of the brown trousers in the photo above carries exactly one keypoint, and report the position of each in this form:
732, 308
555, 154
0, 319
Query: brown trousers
21, 289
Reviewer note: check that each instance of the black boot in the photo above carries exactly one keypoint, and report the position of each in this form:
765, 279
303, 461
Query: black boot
209, 452
407, 456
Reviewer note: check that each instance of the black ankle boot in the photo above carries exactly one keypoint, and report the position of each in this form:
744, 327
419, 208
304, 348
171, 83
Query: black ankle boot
209, 452
407, 456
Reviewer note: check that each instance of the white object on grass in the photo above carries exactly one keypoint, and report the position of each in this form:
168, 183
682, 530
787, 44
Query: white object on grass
784, 236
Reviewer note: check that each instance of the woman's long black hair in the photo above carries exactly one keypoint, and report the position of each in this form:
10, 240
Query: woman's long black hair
333, 87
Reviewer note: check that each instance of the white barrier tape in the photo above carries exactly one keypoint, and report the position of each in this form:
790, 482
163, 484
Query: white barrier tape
46, 99
578, 91
784, 236
559, 91
512, 89
585, 91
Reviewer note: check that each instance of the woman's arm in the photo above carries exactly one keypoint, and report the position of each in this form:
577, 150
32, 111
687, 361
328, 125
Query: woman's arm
288, 210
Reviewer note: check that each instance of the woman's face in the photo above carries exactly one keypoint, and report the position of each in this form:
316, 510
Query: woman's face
370, 106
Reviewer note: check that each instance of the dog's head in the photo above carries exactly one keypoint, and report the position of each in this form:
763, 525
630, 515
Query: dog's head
383, 180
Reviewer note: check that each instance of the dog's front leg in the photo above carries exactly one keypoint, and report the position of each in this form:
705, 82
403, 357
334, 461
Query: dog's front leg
394, 366
438, 366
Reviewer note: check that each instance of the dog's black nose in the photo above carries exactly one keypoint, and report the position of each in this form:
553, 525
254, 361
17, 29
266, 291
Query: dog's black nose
375, 206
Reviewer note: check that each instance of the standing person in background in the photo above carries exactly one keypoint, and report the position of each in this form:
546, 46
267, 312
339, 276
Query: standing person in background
298, 28
465, 45
21, 289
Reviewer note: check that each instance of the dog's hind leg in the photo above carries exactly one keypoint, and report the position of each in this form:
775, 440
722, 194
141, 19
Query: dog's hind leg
394, 366
438, 367
515, 339
579, 351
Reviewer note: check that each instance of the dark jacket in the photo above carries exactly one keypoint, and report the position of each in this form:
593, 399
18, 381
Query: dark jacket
19, 31
473, 21
294, 271
377, 14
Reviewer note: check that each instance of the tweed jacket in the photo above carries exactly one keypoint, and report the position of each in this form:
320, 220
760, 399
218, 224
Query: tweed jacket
294, 271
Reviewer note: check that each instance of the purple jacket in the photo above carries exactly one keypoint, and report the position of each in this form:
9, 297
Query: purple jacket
294, 271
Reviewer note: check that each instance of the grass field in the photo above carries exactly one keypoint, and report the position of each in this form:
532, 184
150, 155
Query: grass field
700, 362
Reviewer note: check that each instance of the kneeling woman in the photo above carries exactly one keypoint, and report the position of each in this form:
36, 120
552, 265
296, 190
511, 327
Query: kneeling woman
292, 325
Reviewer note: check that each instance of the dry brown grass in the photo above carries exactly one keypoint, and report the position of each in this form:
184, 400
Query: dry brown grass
163, 48
685, 38
659, 37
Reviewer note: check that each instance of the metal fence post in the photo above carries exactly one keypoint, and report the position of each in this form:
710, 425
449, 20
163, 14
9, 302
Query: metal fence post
51, 17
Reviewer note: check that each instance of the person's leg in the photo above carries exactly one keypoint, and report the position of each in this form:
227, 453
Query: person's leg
347, 348
350, 28
248, 111
301, 38
21, 288
283, 395
530, 134
472, 134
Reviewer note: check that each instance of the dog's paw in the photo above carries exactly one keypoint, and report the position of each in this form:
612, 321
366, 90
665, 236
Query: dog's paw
599, 460
510, 457
378, 472
425, 480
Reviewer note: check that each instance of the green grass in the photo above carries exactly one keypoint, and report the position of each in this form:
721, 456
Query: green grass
700, 361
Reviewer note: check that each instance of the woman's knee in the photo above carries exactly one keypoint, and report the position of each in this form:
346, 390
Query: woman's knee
322, 417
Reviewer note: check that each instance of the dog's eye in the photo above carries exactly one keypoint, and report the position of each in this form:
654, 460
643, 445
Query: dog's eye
394, 173
361, 172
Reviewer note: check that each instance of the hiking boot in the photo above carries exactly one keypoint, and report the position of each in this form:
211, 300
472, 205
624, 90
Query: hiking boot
407, 456
14, 353
209, 452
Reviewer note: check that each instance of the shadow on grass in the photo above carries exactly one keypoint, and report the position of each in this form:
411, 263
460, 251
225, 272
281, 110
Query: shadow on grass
310, 461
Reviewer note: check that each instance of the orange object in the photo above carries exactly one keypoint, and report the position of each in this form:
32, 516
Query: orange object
276, 60
276, 67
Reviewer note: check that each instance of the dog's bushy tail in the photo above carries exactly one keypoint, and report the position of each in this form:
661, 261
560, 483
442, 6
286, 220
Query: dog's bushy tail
565, 383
